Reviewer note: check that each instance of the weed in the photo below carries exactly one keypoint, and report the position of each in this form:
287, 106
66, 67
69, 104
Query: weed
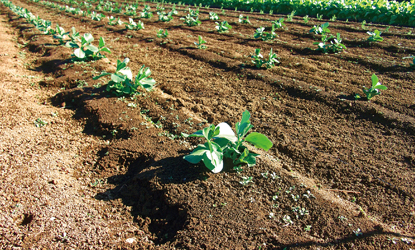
40, 123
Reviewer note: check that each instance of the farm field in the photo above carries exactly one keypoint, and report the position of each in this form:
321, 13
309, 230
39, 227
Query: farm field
340, 174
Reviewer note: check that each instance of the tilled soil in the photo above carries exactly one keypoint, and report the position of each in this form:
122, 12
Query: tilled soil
340, 173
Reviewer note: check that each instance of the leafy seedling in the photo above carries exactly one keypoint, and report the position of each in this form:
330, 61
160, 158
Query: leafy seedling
330, 44
222, 142
189, 20
162, 34
265, 36
258, 59
131, 25
122, 83
114, 21
201, 43
96, 16
374, 36
320, 29
374, 90
213, 16
244, 21
165, 17
84, 50
223, 26
60, 34
279, 24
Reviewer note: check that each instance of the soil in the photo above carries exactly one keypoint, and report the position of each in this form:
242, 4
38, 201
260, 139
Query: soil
108, 172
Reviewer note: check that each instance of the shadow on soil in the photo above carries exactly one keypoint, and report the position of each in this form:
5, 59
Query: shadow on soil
145, 188
343, 242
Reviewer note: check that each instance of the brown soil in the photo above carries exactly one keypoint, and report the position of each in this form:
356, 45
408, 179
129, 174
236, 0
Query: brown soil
107, 171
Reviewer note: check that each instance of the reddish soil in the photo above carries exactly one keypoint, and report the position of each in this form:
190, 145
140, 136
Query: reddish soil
355, 157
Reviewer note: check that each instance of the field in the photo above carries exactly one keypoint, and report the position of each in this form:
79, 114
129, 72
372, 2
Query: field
340, 174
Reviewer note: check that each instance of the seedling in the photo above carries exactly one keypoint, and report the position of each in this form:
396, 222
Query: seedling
306, 19
246, 180
113, 21
213, 16
201, 43
75, 36
244, 21
279, 24
260, 33
146, 12
374, 90
96, 16
291, 16
161, 34
191, 21
222, 142
333, 46
165, 17
40, 123
85, 50
223, 26
374, 36
131, 25
258, 61
320, 30
60, 34
122, 83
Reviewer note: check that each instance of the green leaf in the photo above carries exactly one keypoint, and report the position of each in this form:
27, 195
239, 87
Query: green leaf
92, 48
79, 53
197, 154
383, 87
71, 44
259, 140
102, 74
88, 38
106, 50
101, 42
375, 80
214, 160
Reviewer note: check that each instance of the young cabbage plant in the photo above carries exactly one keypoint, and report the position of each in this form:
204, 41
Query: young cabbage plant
75, 36
60, 34
242, 20
320, 30
191, 21
122, 83
334, 44
114, 21
131, 25
213, 16
374, 36
201, 43
265, 36
258, 61
146, 12
85, 50
279, 24
165, 17
374, 90
96, 16
222, 142
162, 34
223, 26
